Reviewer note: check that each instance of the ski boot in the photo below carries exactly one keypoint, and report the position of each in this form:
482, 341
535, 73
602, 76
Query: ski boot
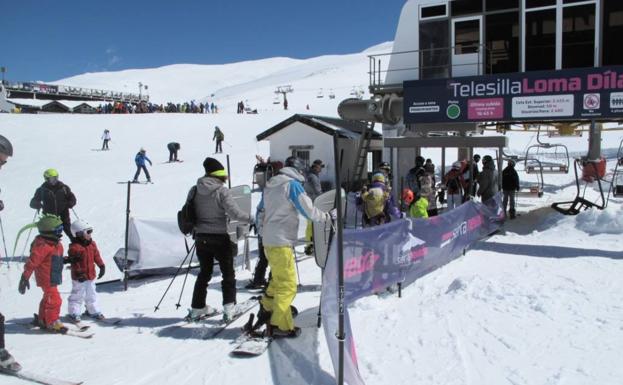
195, 315
74, 318
229, 312
7, 362
274, 332
57, 327
256, 284
309, 249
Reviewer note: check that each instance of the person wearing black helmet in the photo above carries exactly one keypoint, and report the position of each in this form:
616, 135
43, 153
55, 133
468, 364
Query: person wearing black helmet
510, 185
471, 177
7, 362
412, 181
284, 199
386, 169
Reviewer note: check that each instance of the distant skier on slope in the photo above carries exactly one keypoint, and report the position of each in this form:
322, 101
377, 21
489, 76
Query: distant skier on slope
173, 148
140, 159
84, 256
106, 138
219, 137
7, 361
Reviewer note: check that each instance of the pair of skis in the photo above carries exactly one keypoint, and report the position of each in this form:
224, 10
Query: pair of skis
241, 309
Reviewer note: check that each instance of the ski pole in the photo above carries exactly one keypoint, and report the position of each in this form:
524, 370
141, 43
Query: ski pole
28, 237
177, 305
173, 279
296, 262
6, 254
228, 144
74, 211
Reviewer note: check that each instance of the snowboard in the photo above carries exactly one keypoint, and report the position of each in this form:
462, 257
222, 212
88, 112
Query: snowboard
38, 378
323, 231
251, 346
126, 182
242, 196
172, 161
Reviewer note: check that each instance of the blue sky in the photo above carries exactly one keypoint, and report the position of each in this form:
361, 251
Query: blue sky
49, 40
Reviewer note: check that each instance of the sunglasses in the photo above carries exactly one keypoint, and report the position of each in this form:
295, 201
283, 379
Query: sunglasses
90, 231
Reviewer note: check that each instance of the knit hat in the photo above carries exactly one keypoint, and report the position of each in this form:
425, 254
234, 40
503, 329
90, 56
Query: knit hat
214, 168
378, 177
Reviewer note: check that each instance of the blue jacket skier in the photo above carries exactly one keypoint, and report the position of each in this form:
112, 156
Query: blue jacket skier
140, 159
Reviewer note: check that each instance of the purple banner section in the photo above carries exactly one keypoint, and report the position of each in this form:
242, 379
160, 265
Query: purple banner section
400, 251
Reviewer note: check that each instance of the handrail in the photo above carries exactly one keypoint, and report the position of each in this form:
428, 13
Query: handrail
376, 70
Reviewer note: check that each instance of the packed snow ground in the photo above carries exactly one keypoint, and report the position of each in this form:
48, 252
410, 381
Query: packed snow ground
538, 305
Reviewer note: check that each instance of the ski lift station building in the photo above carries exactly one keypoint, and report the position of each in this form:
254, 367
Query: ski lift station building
459, 65
311, 137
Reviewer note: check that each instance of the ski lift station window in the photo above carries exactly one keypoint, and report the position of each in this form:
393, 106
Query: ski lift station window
302, 152
539, 3
499, 5
466, 7
433, 11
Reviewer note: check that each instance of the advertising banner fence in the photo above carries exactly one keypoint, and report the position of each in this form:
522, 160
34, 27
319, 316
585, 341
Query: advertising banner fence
574, 94
400, 251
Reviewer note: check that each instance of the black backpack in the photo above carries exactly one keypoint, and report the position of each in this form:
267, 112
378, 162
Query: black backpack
186, 217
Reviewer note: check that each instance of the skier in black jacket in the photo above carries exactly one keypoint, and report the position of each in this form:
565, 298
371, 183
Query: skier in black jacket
510, 184
55, 197
173, 148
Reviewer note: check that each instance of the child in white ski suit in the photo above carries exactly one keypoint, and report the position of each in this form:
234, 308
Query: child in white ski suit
84, 255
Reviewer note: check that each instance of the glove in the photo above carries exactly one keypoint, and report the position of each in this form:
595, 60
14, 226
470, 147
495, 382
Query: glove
1, 205
71, 259
333, 214
102, 272
23, 285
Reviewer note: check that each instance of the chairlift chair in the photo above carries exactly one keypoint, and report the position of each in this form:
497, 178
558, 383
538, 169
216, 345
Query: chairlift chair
617, 174
553, 158
331, 94
276, 100
592, 171
320, 94
353, 91
534, 189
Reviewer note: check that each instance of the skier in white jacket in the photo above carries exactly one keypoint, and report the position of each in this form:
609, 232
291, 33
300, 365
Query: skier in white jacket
283, 200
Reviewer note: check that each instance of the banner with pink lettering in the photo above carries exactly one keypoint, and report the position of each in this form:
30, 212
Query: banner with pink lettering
400, 251
568, 94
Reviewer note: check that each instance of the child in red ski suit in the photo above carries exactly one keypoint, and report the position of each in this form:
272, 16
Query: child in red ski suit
84, 255
46, 261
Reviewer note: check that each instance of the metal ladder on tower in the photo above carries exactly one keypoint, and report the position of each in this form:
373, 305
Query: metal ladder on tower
362, 155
